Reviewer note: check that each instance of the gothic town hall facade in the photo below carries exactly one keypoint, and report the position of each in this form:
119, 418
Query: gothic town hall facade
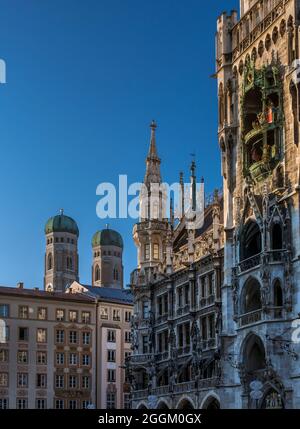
217, 308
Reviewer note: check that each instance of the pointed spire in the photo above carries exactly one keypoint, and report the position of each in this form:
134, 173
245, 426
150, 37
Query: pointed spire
152, 149
152, 162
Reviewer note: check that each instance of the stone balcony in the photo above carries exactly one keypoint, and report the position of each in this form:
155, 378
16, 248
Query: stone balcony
250, 318
141, 358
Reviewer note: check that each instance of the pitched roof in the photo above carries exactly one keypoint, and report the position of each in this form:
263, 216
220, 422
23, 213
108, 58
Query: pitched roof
38, 293
111, 294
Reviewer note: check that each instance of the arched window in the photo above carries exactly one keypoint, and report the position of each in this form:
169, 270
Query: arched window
70, 263
250, 240
221, 105
49, 262
254, 354
97, 273
251, 298
278, 298
276, 237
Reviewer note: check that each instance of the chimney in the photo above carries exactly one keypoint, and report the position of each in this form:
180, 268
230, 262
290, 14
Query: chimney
20, 285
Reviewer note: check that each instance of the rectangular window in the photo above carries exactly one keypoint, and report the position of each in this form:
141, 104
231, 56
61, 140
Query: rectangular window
4, 334
211, 325
41, 381
3, 356
59, 381
73, 316
41, 335
147, 252
73, 337
3, 403
104, 313
145, 340
3, 379
72, 404
187, 295
187, 334
59, 404
4, 310
23, 312
85, 405
165, 305
211, 284
145, 309
73, 359
111, 356
159, 305
42, 313
23, 334
111, 336
116, 315
110, 401
180, 336
203, 287
86, 360
60, 315
204, 328
22, 357
41, 358
111, 375
86, 338
127, 336
73, 381
60, 336
86, 317
179, 297
127, 402
128, 316
22, 404
41, 404
85, 382
22, 380
60, 359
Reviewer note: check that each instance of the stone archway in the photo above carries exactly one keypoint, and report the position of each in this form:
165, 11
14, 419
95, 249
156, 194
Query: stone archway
142, 406
211, 403
162, 406
185, 404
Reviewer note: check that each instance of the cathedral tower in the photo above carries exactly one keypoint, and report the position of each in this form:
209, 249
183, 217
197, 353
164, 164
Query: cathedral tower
150, 234
107, 269
61, 258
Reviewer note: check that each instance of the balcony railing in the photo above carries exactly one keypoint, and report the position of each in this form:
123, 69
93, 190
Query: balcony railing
142, 358
250, 318
162, 356
209, 382
161, 390
249, 263
184, 387
140, 394
182, 351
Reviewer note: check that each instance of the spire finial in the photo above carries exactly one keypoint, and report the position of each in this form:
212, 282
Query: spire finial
61, 211
152, 149
107, 226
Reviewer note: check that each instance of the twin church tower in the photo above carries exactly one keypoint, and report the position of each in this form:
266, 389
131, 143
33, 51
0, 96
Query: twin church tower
62, 259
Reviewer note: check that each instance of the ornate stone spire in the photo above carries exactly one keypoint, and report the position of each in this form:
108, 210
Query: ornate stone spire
153, 161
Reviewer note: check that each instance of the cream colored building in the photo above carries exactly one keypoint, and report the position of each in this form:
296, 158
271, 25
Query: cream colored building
65, 346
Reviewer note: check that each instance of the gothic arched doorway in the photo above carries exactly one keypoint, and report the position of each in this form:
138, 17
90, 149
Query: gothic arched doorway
211, 404
185, 404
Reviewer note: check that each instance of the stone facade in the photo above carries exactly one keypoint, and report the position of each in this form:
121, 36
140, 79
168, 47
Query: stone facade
250, 245
177, 303
259, 142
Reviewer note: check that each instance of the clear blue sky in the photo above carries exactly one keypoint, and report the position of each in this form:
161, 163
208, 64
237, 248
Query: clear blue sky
84, 80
